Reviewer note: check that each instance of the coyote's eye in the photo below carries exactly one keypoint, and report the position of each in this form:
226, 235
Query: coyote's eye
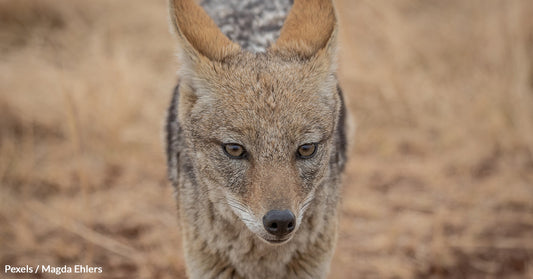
234, 151
307, 150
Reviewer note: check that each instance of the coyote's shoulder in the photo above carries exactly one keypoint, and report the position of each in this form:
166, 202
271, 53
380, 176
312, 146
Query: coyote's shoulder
253, 24
256, 142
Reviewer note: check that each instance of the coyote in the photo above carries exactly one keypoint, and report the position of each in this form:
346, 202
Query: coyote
256, 138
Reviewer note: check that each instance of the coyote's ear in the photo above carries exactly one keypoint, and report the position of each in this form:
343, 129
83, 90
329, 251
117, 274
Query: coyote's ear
198, 34
310, 27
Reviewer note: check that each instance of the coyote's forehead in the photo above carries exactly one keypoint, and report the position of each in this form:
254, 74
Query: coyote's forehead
268, 96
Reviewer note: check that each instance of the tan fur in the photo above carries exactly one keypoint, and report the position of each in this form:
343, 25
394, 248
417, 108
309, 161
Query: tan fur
308, 28
270, 103
199, 30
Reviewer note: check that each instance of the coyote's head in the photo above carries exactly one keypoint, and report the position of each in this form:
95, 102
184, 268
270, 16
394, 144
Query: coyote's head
261, 126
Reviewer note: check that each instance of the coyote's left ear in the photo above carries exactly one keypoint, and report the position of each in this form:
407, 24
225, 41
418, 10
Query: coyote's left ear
310, 29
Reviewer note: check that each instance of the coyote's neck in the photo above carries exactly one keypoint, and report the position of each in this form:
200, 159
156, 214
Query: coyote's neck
254, 24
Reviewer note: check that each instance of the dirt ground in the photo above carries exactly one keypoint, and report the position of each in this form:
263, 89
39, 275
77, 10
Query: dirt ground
440, 178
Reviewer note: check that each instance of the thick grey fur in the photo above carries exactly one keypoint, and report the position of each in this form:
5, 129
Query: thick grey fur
254, 24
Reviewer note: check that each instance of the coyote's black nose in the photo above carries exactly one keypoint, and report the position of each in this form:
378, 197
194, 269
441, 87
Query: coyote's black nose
279, 222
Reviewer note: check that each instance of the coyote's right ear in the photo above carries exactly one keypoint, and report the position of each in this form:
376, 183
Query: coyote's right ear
199, 36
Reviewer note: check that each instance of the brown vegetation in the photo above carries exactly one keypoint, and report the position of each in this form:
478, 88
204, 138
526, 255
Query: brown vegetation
440, 182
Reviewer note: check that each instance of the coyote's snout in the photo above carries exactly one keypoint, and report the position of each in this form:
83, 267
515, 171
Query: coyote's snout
256, 145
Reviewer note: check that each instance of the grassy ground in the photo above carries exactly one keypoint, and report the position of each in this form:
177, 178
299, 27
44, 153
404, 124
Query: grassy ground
440, 182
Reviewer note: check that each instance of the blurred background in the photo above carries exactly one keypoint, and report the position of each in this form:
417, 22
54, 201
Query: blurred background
440, 179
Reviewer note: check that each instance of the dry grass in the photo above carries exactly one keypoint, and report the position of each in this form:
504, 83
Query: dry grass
440, 183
